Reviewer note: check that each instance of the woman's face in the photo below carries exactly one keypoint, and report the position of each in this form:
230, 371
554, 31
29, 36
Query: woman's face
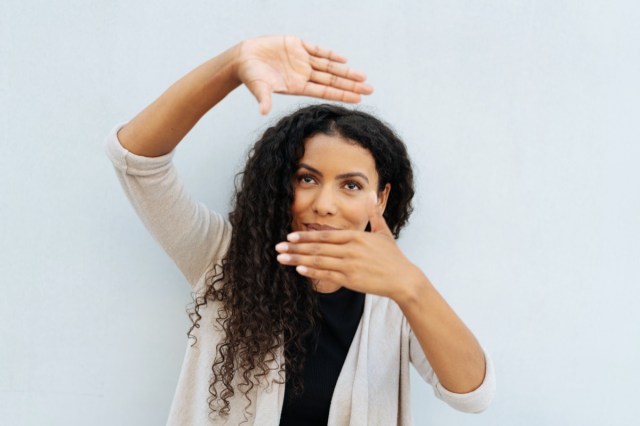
333, 185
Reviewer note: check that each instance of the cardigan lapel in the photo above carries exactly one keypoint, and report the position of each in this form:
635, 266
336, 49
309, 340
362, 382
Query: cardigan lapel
350, 400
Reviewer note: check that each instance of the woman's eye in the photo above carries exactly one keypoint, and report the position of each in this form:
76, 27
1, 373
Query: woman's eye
306, 179
352, 186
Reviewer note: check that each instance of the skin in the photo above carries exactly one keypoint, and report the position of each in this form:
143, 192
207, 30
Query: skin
368, 262
333, 188
265, 65
336, 186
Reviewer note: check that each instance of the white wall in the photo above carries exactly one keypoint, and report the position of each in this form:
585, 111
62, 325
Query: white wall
520, 120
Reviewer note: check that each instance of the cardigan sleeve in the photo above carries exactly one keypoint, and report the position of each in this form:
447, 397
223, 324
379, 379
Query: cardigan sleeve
475, 401
191, 234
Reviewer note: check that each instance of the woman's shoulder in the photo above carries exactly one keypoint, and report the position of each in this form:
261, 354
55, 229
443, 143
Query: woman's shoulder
191, 234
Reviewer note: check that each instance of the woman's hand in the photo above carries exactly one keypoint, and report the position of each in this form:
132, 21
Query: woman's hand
371, 262
367, 262
288, 65
281, 64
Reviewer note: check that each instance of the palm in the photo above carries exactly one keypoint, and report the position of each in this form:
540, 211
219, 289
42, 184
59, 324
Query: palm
287, 65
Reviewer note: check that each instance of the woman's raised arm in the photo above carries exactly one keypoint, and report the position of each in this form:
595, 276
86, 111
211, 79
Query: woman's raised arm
266, 65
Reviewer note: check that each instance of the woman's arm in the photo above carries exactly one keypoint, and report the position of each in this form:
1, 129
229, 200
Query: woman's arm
281, 64
372, 262
188, 231
452, 350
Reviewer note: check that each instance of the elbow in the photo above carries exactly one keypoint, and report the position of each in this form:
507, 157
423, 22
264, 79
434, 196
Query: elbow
475, 401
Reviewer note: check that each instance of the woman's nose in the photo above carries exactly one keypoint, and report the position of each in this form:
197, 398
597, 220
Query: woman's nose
325, 202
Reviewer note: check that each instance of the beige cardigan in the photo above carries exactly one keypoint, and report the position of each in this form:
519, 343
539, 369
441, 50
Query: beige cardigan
373, 386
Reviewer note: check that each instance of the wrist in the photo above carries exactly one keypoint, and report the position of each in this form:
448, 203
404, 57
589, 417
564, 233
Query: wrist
209, 83
413, 288
236, 57
231, 60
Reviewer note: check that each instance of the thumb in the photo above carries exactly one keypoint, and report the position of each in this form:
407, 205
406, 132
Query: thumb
376, 219
262, 93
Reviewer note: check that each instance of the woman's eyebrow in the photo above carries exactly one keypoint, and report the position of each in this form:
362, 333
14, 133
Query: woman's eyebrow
353, 174
311, 169
340, 176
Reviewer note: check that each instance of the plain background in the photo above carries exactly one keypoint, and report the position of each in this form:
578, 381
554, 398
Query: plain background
522, 122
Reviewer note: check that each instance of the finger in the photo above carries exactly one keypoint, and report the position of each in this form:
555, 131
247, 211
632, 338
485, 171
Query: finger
321, 275
376, 218
315, 262
333, 80
317, 51
332, 237
265, 104
317, 249
325, 65
262, 93
325, 92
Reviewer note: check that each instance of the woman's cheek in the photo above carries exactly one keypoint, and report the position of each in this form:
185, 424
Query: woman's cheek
360, 212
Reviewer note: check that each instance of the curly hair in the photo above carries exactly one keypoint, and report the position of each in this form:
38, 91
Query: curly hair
266, 306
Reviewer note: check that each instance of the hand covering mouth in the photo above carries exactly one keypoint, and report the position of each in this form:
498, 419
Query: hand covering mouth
318, 227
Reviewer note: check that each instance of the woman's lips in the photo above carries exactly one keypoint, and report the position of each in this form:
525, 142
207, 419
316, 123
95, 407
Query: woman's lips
319, 227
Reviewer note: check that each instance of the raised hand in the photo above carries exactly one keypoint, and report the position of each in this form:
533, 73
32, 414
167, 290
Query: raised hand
368, 262
288, 65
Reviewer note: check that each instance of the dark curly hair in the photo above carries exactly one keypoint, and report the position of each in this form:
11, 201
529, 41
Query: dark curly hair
266, 306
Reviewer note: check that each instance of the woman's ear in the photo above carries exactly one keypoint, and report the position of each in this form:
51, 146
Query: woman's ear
383, 197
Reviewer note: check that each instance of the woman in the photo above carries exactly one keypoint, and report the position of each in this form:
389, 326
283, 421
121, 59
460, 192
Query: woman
306, 311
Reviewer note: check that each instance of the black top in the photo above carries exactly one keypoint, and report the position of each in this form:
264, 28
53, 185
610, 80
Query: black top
340, 315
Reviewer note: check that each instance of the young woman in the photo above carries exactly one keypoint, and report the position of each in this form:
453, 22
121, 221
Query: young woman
306, 311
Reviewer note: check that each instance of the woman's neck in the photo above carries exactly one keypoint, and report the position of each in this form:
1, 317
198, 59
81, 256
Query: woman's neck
327, 287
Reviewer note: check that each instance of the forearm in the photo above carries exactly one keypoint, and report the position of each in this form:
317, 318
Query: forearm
161, 126
451, 348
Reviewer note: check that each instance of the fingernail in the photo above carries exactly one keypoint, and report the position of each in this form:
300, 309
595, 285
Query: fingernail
302, 269
282, 247
283, 258
293, 237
